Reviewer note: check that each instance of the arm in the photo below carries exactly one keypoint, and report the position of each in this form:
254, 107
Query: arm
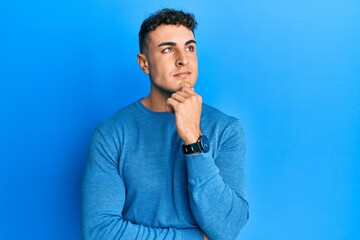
103, 197
217, 187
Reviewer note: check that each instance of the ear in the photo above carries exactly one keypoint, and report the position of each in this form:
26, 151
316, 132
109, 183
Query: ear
143, 63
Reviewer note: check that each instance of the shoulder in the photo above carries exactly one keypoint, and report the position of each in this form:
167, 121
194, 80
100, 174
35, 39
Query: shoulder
219, 124
223, 130
110, 132
214, 116
118, 120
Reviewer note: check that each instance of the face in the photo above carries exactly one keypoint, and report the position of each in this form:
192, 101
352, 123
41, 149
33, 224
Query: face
171, 59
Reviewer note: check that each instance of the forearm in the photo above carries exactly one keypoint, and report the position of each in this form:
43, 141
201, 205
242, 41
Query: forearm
103, 198
217, 208
114, 227
102, 204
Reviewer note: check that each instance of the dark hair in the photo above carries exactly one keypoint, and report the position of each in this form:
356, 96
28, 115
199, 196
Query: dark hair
165, 16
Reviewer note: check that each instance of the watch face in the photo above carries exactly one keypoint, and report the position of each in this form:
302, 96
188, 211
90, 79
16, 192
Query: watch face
205, 143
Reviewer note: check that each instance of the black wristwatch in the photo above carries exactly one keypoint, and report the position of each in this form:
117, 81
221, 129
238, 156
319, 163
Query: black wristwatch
201, 145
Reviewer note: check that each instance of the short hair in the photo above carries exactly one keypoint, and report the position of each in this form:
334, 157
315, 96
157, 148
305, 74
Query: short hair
166, 16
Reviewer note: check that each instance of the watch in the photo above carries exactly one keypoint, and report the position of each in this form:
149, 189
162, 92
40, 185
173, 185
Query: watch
201, 145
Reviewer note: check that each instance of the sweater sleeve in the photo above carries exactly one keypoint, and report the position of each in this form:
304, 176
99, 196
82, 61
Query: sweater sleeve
103, 196
217, 186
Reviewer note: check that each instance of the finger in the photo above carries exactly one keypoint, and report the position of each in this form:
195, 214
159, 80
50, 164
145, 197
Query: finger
178, 97
169, 108
187, 90
172, 103
182, 94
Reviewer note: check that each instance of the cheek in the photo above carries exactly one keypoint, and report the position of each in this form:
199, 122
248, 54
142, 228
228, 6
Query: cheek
163, 65
160, 72
194, 60
165, 68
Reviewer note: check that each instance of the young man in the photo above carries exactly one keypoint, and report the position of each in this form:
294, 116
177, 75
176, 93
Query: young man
167, 166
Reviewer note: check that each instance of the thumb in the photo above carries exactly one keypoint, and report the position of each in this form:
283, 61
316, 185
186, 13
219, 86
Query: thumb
169, 108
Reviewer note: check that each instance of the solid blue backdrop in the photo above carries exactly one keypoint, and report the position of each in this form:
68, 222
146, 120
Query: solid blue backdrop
290, 70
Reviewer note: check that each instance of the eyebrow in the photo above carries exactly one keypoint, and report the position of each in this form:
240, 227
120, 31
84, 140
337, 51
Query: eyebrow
190, 41
174, 44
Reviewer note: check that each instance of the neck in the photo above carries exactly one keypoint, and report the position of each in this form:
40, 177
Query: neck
156, 100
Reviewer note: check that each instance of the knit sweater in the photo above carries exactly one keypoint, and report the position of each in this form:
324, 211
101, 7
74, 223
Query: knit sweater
138, 184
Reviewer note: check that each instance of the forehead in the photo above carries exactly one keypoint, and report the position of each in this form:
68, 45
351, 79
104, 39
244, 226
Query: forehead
170, 33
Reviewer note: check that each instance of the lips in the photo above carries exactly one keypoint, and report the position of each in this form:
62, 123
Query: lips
182, 74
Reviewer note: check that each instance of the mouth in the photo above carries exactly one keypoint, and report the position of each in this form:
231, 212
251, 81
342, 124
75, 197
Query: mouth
182, 74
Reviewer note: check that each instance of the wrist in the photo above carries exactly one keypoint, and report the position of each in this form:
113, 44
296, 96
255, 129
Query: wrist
192, 137
201, 145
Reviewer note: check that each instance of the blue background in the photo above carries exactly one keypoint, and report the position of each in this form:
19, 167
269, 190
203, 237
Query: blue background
290, 70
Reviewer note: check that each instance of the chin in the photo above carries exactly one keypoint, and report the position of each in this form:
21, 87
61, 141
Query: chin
186, 83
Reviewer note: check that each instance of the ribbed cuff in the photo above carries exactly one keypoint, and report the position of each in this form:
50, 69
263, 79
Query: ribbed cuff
200, 167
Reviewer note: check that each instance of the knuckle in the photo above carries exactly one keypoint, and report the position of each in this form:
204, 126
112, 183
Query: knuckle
197, 98
192, 98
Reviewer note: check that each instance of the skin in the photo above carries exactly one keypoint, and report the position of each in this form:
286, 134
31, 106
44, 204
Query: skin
172, 64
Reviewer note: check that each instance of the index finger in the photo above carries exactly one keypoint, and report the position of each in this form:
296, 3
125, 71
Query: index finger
187, 90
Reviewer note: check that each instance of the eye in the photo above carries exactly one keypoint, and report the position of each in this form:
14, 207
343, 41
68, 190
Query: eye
190, 49
167, 50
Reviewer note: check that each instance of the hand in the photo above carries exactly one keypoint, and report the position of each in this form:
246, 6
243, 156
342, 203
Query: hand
205, 237
187, 105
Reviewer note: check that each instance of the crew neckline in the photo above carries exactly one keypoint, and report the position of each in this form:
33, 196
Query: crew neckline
142, 107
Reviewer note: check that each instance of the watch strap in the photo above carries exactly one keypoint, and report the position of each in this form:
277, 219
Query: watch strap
192, 148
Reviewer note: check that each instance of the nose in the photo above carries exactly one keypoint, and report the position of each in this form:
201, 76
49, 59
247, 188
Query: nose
181, 59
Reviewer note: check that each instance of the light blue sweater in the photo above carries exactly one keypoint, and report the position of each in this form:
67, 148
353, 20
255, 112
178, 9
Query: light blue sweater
139, 185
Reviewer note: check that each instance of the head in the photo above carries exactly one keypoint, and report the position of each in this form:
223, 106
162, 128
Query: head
167, 17
168, 50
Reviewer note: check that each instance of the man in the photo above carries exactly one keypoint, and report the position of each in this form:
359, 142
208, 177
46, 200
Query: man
167, 166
